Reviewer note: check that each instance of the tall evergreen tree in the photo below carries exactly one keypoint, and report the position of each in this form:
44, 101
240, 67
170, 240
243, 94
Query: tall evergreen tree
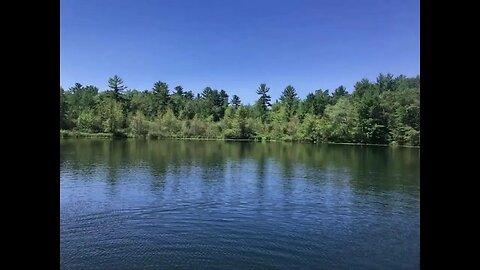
264, 101
116, 87
160, 91
316, 103
341, 91
189, 95
179, 90
63, 109
386, 82
362, 87
224, 98
236, 101
76, 88
177, 100
289, 99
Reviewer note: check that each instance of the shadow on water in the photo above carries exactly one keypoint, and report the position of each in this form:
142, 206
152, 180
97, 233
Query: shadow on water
367, 167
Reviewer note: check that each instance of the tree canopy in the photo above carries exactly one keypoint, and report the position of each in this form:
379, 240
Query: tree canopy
385, 111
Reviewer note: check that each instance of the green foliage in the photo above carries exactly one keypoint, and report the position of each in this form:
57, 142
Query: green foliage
166, 125
177, 100
64, 134
236, 101
194, 128
323, 130
111, 115
88, 121
406, 135
340, 92
316, 103
223, 98
279, 121
63, 109
161, 97
386, 111
290, 100
386, 82
136, 101
139, 125
78, 99
263, 102
116, 87
362, 87
188, 112
342, 121
373, 118
213, 103
307, 131
292, 127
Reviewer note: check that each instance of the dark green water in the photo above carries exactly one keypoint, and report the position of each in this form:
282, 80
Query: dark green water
237, 205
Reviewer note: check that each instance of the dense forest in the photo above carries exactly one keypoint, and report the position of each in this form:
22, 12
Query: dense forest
386, 111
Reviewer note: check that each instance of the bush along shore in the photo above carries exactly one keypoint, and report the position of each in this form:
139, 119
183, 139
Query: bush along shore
383, 112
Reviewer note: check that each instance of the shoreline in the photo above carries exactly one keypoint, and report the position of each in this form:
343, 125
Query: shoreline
68, 134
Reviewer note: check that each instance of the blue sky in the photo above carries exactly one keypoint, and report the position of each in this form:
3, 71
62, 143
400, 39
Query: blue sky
237, 44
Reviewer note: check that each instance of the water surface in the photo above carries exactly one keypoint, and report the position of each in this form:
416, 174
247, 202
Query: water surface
237, 205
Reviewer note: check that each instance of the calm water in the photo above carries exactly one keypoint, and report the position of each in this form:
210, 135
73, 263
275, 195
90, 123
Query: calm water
237, 205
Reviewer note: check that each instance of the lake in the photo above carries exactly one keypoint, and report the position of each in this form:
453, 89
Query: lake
171, 204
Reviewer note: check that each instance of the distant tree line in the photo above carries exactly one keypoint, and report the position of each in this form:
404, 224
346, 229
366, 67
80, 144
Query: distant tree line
386, 111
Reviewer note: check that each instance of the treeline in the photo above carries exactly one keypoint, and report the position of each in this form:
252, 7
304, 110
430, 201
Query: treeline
386, 111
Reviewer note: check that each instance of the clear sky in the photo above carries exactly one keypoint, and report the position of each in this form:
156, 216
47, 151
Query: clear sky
237, 44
